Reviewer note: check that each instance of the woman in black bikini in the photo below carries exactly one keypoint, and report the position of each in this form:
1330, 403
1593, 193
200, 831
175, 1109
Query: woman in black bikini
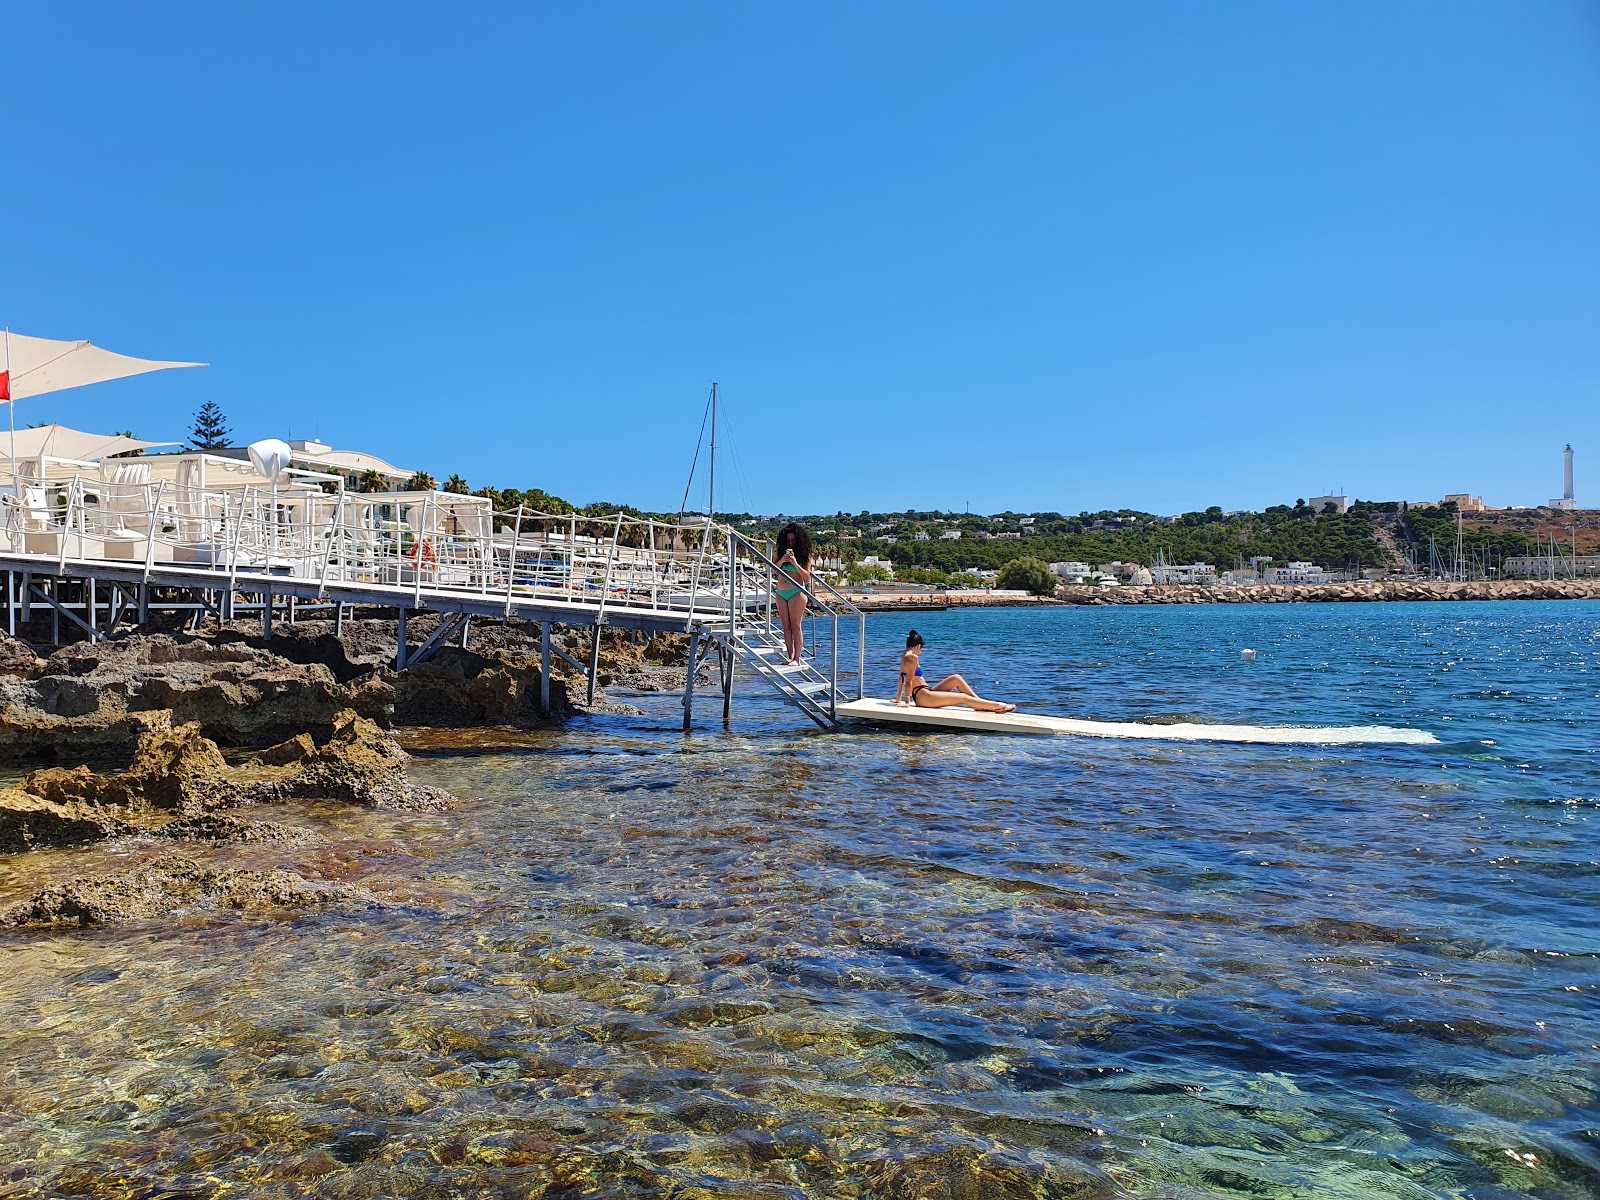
951, 690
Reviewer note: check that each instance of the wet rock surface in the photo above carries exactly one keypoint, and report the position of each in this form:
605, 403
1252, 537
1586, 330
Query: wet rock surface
99, 699
178, 780
169, 884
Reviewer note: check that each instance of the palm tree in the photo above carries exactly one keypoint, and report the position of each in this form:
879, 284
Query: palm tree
420, 482
372, 481
457, 486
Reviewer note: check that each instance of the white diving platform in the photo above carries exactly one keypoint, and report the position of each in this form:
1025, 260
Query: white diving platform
886, 712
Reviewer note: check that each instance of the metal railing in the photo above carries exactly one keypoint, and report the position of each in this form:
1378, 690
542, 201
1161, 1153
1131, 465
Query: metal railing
415, 546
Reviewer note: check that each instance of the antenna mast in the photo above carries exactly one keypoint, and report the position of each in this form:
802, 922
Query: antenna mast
711, 500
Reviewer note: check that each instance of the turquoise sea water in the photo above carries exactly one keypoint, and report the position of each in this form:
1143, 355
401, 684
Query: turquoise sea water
771, 961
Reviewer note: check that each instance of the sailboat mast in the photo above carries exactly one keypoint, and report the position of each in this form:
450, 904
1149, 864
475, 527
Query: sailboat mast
711, 501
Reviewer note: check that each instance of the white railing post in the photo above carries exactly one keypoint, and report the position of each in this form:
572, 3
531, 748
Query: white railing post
511, 565
420, 555
605, 579
333, 536
150, 537
233, 555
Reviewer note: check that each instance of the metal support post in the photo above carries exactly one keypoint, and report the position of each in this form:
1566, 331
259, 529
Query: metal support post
725, 661
144, 603
594, 660
688, 683
11, 603
466, 629
400, 643
27, 597
89, 617
266, 615
544, 667
338, 619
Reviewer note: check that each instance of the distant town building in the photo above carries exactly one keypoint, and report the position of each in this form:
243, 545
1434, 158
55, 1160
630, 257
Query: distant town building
1338, 504
1199, 572
922, 535
1140, 577
1552, 566
1016, 537
1072, 572
1295, 572
1242, 577
1466, 503
950, 535
1567, 502
1026, 521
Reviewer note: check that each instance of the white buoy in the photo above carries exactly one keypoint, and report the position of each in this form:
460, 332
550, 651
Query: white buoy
1249, 655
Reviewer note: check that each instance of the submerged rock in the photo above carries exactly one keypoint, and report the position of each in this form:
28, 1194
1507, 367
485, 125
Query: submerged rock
180, 775
168, 885
360, 763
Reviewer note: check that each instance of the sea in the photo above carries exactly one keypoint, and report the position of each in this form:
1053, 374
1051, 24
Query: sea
768, 960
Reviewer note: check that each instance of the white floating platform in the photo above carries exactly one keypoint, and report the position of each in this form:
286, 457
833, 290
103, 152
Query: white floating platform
886, 712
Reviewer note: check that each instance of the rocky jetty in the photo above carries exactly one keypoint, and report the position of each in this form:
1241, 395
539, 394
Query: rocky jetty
1361, 591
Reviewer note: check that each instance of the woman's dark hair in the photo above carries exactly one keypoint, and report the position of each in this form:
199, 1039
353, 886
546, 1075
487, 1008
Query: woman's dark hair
913, 639
793, 536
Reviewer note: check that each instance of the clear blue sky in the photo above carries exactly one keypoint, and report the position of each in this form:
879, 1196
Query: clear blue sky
1028, 256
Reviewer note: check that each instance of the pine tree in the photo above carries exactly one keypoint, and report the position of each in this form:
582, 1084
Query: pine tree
210, 430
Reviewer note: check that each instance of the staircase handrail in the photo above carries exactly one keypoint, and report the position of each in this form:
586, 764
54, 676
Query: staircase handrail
737, 538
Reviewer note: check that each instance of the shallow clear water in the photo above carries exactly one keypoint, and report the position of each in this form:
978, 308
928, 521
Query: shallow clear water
777, 962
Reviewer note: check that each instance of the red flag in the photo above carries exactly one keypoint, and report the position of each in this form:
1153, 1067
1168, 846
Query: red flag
5, 385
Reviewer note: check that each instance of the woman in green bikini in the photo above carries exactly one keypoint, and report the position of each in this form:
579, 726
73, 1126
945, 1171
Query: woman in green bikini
794, 560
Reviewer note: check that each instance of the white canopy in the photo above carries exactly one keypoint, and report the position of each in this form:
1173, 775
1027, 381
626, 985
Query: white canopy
40, 365
57, 441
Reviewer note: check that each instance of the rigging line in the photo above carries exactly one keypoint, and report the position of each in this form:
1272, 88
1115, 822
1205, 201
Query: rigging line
738, 461
683, 506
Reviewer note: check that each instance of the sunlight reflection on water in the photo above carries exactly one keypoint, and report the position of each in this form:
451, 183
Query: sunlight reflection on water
776, 962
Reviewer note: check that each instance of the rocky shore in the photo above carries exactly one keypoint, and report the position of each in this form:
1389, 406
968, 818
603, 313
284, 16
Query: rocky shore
191, 734
1313, 593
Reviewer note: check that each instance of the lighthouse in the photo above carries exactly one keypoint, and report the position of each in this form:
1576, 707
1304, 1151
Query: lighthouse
1567, 500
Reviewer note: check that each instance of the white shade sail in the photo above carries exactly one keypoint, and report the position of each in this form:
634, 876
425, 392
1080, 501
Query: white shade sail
57, 441
41, 365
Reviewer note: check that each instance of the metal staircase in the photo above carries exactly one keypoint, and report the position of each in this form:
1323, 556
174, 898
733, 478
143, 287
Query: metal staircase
804, 686
752, 633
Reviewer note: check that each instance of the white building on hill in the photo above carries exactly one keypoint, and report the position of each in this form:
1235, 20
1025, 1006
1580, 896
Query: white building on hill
1295, 572
1199, 572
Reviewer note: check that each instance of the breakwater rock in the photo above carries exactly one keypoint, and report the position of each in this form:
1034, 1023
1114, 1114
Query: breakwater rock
1362, 591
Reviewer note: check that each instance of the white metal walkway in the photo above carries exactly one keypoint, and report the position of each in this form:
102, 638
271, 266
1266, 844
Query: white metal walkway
95, 554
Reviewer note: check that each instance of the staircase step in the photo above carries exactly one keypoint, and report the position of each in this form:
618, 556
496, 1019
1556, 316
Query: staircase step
811, 687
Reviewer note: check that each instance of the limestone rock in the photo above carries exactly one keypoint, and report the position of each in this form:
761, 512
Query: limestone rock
359, 764
28, 820
167, 885
18, 658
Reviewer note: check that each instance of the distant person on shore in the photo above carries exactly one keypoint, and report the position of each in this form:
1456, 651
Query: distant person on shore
794, 560
952, 690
